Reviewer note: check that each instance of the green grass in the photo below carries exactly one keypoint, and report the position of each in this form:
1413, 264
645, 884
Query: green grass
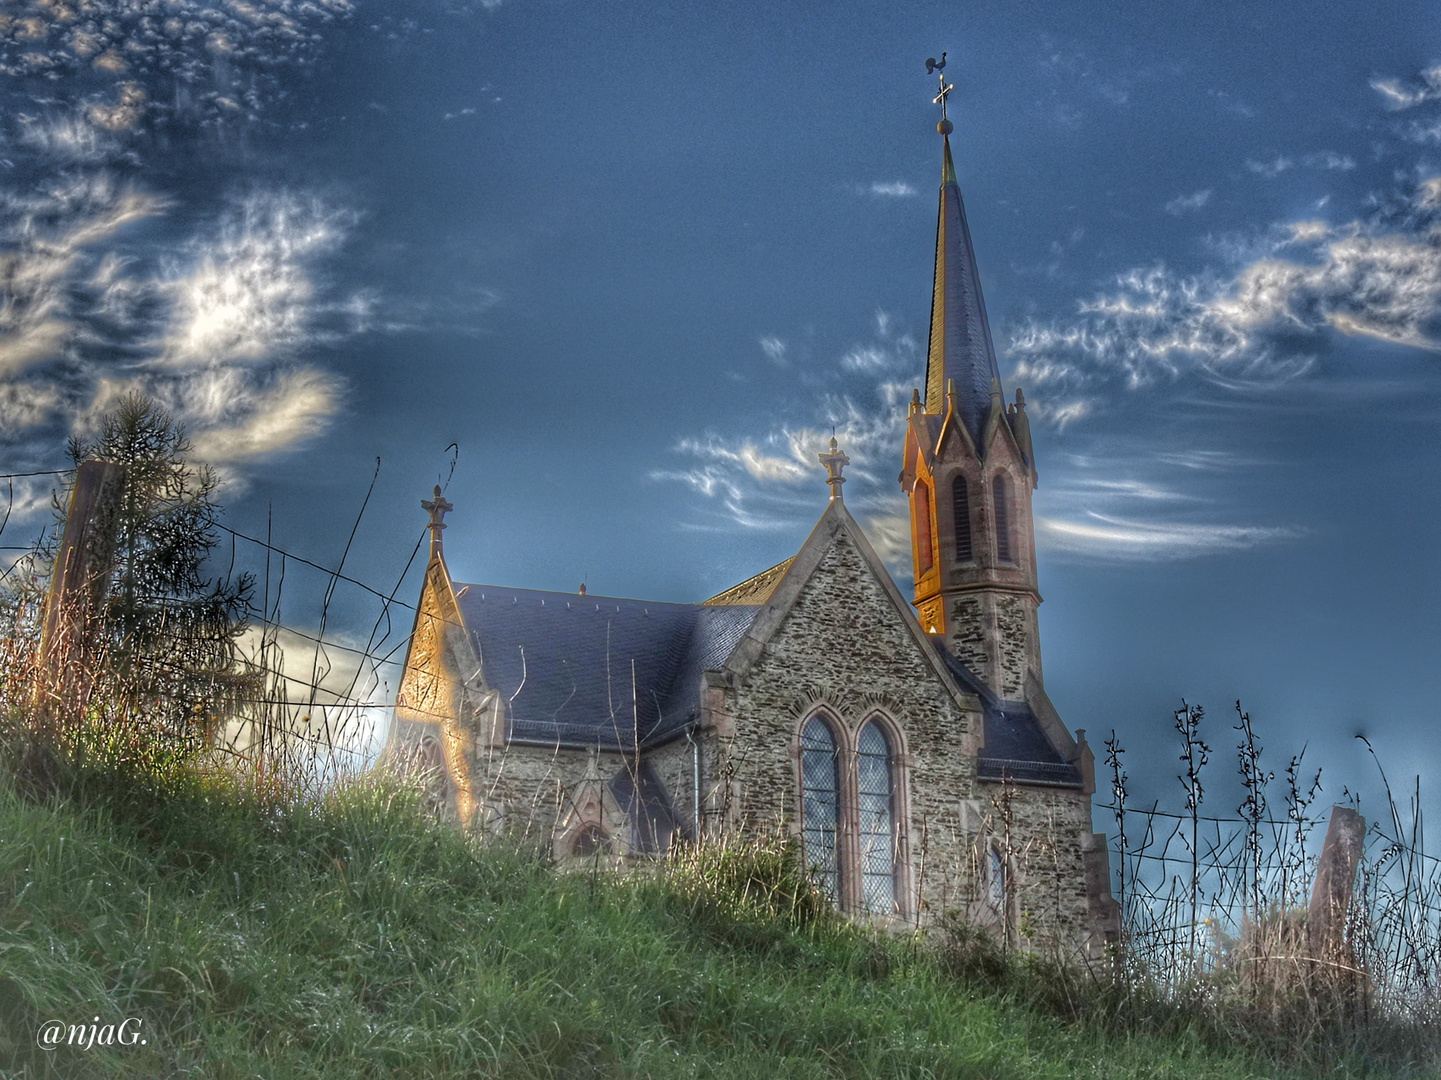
352, 937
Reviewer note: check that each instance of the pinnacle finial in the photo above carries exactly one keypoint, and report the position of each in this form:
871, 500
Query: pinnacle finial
834, 462
437, 507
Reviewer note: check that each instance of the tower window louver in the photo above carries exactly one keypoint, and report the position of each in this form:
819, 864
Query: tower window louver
1001, 496
961, 501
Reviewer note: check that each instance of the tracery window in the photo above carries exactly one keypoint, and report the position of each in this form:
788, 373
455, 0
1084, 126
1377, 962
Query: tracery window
876, 806
1001, 497
961, 502
820, 806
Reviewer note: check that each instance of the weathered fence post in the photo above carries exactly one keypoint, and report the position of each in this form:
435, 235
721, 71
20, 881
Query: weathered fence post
78, 582
1335, 877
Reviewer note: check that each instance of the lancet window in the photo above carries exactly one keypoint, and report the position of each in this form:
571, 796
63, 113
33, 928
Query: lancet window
961, 503
923, 527
1001, 498
876, 804
820, 805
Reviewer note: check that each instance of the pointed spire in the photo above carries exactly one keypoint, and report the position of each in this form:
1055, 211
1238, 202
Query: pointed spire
960, 345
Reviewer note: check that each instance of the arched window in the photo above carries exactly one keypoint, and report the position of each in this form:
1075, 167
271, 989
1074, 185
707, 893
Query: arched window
961, 501
1001, 496
877, 820
923, 527
820, 806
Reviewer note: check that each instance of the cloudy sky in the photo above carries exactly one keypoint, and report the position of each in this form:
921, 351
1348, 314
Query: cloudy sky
635, 260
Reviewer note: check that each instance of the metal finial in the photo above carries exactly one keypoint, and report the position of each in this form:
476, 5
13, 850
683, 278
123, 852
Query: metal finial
937, 68
437, 507
834, 462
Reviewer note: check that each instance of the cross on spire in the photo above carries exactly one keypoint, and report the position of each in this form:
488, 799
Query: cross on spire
834, 462
437, 507
937, 67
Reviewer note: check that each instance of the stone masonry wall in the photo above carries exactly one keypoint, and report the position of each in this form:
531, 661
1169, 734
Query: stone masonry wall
1013, 627
1041, 832
843, 649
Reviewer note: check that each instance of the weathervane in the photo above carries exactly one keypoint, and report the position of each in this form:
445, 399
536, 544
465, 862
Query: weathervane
938, 68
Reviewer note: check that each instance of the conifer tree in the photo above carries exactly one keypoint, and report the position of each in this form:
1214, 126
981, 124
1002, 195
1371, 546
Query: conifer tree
171, 630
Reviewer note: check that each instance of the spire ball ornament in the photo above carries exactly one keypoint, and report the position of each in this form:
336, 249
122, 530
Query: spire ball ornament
945, 127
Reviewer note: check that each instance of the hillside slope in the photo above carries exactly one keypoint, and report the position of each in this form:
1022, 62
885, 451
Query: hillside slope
246, 937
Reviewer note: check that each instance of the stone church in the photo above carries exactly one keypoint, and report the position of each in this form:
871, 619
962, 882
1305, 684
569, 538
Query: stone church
908, 747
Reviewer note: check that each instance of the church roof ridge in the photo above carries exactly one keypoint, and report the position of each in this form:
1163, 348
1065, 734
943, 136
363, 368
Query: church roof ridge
577, 599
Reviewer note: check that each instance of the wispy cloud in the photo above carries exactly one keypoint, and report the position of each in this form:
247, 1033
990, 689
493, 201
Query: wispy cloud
248, 293
1407, 94
1261, 325
1318, 159
892, 189
775, 350
1100, 536
1184, 204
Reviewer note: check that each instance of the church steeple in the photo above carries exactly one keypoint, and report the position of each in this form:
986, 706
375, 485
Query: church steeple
969, 471
960, 348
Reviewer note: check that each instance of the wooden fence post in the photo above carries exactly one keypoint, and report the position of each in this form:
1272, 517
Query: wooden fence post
1335, 878
78, 582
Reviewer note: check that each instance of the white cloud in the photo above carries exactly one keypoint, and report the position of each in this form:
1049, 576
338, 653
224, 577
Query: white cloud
1182, 204
256, 421
1407, 95
48, 236
1270, 169
180, 41
249, 293
892, 189
1260, 326
1129, 540
26, 405
775, 350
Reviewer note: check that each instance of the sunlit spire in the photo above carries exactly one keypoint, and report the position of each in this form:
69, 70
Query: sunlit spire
960, 345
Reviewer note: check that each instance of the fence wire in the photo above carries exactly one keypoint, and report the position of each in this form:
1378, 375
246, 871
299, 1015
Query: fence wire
1204, 896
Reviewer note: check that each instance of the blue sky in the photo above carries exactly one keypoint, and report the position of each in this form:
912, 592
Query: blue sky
635, 260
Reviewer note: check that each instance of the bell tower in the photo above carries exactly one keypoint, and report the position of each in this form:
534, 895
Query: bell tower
969, 471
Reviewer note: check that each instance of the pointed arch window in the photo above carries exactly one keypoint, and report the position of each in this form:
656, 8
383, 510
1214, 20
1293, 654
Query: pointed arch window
923, 527
820, 806
876, 805
1001, 497
961, 502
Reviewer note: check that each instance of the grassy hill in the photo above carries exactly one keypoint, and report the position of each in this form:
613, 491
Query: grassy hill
352, 937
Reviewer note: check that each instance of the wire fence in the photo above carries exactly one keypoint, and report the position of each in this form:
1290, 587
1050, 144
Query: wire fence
1208, 899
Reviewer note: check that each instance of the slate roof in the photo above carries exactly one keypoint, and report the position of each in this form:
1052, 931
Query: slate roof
1016, 748
597, 670
960, 343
